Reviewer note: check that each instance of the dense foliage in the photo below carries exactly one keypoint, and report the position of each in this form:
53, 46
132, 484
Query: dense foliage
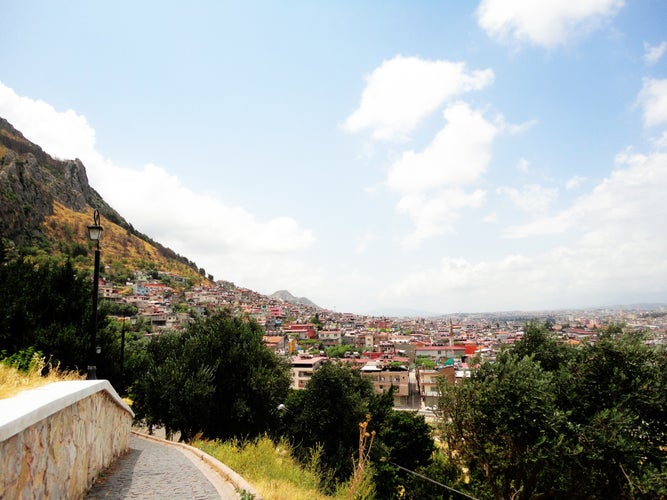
328, 413
46, 308
216, 377
549, 420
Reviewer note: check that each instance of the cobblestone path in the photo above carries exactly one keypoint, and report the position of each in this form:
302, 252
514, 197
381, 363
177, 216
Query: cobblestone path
152, 470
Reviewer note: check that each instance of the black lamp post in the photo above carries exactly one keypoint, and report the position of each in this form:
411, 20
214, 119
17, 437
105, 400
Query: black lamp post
94, 233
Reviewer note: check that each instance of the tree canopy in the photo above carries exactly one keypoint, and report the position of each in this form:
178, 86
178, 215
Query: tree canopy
45, 307
549, 420
328, 413
216, 377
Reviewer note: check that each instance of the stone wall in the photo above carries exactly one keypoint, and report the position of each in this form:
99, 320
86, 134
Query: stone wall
56, 439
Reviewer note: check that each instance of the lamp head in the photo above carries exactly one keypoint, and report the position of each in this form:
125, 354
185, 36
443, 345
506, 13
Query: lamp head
95, 231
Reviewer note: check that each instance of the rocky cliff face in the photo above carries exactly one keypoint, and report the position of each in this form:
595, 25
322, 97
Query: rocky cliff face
31, 180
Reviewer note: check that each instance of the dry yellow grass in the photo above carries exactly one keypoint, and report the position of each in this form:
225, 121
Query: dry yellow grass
12, 381
118, 245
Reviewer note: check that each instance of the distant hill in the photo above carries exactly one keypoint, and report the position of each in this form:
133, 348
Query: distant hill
46, 205
285, 296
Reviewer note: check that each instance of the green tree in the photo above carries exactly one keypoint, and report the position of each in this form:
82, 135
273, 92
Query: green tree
544, 347
404, 441
550, 420
327, 413
616, 393
425, 362
177, 389
315, 320
236, 381
47, 307
504, 420
338, 351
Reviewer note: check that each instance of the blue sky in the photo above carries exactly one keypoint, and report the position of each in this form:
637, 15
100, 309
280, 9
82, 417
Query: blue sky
439, 156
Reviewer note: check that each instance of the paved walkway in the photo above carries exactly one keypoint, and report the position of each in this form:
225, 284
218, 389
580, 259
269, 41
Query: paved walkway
157, 470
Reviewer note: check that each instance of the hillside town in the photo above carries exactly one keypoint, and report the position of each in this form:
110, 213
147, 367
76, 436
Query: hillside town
408, 353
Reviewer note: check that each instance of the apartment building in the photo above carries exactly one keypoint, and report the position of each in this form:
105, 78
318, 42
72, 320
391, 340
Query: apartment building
330, 337
428, 383
441, 353
303, 367
384, 378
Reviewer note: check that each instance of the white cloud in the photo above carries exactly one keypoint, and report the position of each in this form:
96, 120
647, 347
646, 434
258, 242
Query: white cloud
653, 53
205, 229
430, 181
523, 165
404, 90
371, 190
618, 250
653, 100
574, 182
64, 135
458, 155
660, 142
435, 214
533, 198
365, 241
490, 219
520, 128
545, 22
629, 201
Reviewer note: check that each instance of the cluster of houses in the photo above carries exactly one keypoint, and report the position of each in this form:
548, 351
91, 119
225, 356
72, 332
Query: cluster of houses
410, 354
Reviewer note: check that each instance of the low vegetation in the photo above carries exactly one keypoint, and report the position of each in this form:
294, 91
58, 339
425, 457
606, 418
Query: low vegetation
13, 379
269, 467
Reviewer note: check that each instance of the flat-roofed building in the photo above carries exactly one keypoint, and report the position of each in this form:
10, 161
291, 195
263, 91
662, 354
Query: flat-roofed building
441, 353
330, 337
384, 378
303, 367
428, 383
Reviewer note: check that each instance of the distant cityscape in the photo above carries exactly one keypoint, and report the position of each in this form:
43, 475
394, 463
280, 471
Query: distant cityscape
409, 353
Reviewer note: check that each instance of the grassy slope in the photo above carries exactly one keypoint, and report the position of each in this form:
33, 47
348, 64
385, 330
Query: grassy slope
120, 249
269, 467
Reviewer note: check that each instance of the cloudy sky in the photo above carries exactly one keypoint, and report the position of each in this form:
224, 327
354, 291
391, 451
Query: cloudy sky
440, 156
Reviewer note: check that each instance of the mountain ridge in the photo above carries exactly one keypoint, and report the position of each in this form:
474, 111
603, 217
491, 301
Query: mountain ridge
286, 296
44, 200
46, 205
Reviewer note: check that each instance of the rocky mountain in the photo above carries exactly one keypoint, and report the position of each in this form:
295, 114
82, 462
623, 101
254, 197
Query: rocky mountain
285, 296
46, 204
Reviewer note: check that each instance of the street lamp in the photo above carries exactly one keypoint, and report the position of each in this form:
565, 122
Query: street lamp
94, 233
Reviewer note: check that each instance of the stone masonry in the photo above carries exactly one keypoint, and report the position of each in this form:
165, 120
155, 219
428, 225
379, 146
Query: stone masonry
61, 454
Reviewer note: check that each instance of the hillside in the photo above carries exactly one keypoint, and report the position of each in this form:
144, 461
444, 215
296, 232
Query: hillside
46, 205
